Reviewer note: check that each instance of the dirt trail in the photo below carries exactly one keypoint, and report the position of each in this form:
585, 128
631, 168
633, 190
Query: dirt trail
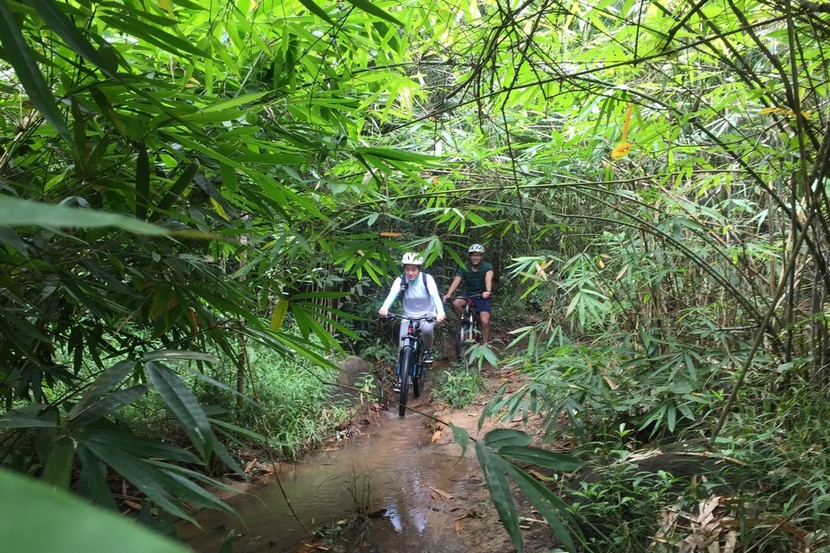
461, 518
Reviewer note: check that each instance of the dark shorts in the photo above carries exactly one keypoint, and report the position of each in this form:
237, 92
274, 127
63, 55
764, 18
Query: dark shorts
483, 305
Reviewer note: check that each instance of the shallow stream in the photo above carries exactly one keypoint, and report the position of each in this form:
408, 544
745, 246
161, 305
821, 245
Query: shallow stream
392, 472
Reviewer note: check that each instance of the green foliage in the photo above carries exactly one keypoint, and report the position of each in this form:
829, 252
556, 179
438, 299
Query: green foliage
178, 177
458, 387
496, 455
622, 506
290, 403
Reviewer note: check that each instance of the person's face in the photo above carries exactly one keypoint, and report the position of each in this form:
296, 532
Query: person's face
475, 258
411, 271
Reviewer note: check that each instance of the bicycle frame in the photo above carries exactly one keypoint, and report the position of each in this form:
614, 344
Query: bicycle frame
468, 331
410, 368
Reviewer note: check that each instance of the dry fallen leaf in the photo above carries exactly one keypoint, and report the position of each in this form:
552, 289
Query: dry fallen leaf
436, 436
308, 547
439, 493
458, 527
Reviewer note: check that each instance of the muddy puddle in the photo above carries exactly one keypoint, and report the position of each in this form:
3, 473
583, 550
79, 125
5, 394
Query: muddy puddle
392, 472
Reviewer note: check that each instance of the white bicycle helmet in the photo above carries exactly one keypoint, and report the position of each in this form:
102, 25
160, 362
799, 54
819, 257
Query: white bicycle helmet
476, 248
412, 258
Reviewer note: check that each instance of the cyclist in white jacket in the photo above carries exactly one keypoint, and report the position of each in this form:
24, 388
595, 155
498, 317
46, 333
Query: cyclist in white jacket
420, 299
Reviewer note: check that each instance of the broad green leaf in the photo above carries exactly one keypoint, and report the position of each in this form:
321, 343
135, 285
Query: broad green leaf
369, 7
227, 543
63, 26
168, 42
59, 464
179, 355
112, 437
552, 508
92, 481
494, 472
146, 477
318, 11
540, 457
501, 437
179, 186
37, 517
236, 102
462, 438
183, 404
109, 405
16, 212
105, 382
278, 316
19, 419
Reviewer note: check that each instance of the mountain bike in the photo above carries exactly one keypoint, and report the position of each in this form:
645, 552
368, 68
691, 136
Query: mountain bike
410, 368
468, 328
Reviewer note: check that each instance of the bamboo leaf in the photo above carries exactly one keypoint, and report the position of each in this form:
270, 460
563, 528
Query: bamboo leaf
142, 183
108, 405
280, 310
17, 52
542, 458
462, 438
21, 418
552, 508
92, 482
158, 37
501, 437
183, 404
59, 464
494, 471
369, 7
63, 26
17, 212
109, 436
45, 519
318, 11
146, 477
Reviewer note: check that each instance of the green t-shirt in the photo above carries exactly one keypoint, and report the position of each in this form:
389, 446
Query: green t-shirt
474, 280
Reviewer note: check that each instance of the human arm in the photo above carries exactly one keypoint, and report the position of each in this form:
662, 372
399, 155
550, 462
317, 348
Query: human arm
488, 284
453, 285
437, 303
390, 298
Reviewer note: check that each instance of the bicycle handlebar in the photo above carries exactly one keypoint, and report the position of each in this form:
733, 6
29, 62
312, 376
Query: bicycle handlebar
470, 297
405, 318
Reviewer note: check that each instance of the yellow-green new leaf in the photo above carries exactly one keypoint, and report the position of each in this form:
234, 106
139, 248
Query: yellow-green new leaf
278, 316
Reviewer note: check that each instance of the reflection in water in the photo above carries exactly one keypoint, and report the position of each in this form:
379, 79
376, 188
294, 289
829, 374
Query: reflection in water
392, 471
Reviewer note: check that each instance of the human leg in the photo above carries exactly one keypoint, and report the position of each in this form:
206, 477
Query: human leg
484, 317
402, 332
427, 337
483, 306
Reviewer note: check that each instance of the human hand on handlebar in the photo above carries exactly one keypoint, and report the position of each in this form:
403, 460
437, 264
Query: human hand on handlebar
383, 312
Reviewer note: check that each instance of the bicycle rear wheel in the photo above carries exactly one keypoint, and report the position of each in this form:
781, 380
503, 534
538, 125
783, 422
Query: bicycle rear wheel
406, 369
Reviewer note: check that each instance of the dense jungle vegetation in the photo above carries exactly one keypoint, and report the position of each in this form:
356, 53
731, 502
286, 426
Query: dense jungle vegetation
202, 203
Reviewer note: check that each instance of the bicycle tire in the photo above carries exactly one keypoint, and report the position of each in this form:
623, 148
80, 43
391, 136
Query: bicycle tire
418, 376
459, 338
406, 363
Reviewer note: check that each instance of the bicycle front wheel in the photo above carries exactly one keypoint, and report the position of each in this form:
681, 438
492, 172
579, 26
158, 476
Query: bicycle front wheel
406, 369
418, 379
459, 338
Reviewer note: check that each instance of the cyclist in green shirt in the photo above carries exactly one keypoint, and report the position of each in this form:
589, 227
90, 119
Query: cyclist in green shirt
477, 276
